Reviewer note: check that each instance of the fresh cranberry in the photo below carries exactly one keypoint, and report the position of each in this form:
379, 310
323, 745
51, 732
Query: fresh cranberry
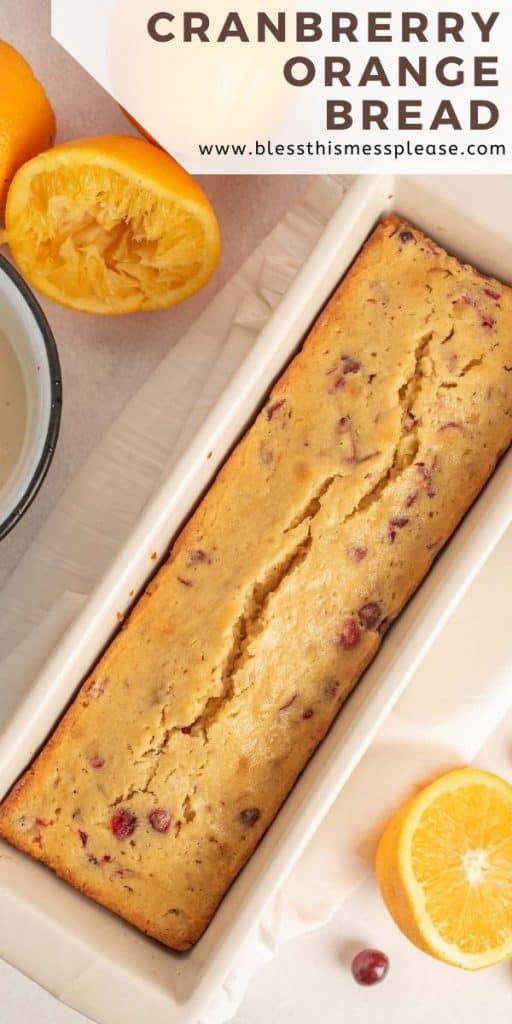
96, 762
370, 614
370, 966
250, 816
160, 820
308, 713
272, 409
493, 294
184, 582
350, 634
83, 837
123, 824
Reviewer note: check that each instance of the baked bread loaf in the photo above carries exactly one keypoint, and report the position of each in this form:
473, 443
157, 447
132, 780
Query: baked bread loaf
193, 727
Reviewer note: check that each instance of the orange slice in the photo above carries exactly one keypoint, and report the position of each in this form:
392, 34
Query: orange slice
27, 121
444, 866
111, 225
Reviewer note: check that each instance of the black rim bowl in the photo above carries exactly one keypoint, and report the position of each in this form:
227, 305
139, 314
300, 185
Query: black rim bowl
55, 376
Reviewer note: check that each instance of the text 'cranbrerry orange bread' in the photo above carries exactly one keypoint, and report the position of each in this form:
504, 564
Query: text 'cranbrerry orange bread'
194, 726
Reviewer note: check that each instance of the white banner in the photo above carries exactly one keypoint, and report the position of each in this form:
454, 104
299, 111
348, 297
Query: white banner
299, 86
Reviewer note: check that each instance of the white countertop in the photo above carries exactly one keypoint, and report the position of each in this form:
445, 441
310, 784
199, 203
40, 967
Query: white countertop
104, 362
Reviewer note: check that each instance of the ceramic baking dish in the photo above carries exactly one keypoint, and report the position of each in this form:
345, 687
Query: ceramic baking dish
88, 957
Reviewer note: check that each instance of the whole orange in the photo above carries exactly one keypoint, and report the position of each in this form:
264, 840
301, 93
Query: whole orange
27, 121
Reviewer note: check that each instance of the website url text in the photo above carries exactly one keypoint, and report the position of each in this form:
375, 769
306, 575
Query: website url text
352, 149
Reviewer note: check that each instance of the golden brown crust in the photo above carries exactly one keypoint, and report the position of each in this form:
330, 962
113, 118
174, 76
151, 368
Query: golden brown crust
321, 524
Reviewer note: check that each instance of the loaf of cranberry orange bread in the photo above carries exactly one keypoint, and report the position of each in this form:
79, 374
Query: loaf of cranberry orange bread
193, 727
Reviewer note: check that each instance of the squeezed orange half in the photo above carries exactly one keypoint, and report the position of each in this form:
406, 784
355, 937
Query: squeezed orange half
111, 225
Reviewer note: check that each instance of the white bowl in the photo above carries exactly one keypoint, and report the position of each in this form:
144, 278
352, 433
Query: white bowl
26, 328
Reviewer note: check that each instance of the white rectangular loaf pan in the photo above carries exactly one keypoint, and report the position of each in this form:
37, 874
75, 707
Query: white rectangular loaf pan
88, 957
